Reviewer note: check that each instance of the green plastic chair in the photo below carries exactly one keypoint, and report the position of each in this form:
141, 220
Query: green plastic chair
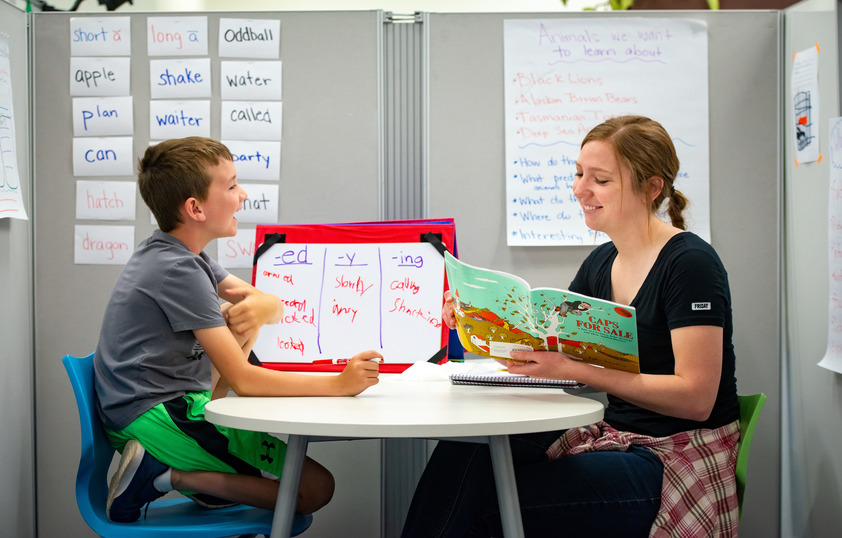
750, 407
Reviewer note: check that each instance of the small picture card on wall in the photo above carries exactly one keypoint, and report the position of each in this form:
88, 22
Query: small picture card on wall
177, 119
177, 36
261, 206
251, 120
103, 116
103, 245
250, 81
99, 76
256, 159
103, 156
236, 252
179, 79
107, 36
105, 200
249, 38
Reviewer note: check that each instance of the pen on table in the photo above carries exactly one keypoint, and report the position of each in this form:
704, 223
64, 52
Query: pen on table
342, 361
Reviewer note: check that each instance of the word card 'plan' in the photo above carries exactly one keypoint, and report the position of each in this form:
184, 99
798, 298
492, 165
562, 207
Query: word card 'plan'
340, 299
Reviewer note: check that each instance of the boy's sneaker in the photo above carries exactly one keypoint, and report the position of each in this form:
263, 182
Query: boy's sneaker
131, 486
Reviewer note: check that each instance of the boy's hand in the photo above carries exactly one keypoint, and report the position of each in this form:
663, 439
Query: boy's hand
360, 373
254, 310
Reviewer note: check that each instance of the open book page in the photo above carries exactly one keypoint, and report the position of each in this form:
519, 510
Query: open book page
497, 313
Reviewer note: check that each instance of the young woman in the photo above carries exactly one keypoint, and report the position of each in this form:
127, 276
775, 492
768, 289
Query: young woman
662, 461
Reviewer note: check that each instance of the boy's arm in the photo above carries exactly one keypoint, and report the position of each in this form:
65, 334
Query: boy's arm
251, 307
248, 380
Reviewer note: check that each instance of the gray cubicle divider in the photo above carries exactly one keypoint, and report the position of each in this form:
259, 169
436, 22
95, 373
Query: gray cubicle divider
466, 170
330, 172
17, 474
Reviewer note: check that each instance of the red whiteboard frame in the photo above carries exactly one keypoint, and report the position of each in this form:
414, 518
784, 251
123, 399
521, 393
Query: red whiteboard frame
398, 231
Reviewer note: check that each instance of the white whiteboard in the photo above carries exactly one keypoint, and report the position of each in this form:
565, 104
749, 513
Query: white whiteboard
340, 299
565, 76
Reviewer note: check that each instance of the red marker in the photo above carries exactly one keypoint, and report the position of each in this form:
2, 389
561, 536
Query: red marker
342, 361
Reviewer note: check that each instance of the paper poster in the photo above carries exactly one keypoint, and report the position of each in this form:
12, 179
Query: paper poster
236, 252
103, 156
179, 79
250, 81
11, 197
105, 200
103, 116
177, 36
565, 76
177, 119
99, 76
344, 297
256, 159
251, 120
805, 104
261, 206
103, 245
107, 36
832, 359
249, 38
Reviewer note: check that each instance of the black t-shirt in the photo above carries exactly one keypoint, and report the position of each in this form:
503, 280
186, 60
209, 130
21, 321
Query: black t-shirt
687, 286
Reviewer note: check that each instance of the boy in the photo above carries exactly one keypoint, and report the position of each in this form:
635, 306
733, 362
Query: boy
167, 348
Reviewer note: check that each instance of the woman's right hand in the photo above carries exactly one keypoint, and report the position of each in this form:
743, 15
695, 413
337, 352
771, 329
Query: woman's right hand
448, 314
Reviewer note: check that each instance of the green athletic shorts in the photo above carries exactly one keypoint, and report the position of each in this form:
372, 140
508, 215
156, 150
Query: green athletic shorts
176, 434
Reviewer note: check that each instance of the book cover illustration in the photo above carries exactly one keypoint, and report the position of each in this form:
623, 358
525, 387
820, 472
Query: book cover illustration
497, 313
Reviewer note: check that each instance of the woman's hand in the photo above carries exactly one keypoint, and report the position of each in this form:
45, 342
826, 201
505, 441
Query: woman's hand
448, 311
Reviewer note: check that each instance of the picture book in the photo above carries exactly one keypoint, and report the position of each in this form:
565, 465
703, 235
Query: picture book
497, 313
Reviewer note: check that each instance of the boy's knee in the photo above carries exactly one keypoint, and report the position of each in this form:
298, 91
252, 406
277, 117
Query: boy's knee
316, 488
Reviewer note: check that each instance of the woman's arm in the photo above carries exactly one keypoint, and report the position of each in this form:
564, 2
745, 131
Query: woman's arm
689, 393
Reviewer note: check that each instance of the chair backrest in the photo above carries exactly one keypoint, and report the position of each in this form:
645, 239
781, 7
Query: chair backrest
97, 452
750, 407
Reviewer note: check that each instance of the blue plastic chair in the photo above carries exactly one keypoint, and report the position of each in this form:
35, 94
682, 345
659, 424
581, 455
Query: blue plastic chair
750, 407
165, 517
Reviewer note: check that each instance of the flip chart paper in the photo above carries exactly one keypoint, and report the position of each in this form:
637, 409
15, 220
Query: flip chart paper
340, 299
105, 200
251, 120
103, 245
256, 159
107, 36
178, 79
249, 38
103, 116
11, 197
832, 359
236, 252
103, 156
177, 119
177, 36
261, 206
565, 76
258, 81
99, 76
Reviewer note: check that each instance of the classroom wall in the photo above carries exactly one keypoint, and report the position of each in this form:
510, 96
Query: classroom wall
812, 435
466, 171
330, 171
17, 472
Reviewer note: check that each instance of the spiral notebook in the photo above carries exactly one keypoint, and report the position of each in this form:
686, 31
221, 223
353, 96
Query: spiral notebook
505, 379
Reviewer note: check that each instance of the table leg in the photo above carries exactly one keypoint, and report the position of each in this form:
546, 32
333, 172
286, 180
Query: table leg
504, 478
288, 489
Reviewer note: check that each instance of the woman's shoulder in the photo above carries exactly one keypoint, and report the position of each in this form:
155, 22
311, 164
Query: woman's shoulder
690, 245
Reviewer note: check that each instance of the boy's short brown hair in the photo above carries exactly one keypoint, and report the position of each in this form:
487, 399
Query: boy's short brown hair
171, 172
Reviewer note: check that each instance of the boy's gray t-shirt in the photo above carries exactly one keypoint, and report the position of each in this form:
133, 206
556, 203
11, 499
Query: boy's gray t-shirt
147, 352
